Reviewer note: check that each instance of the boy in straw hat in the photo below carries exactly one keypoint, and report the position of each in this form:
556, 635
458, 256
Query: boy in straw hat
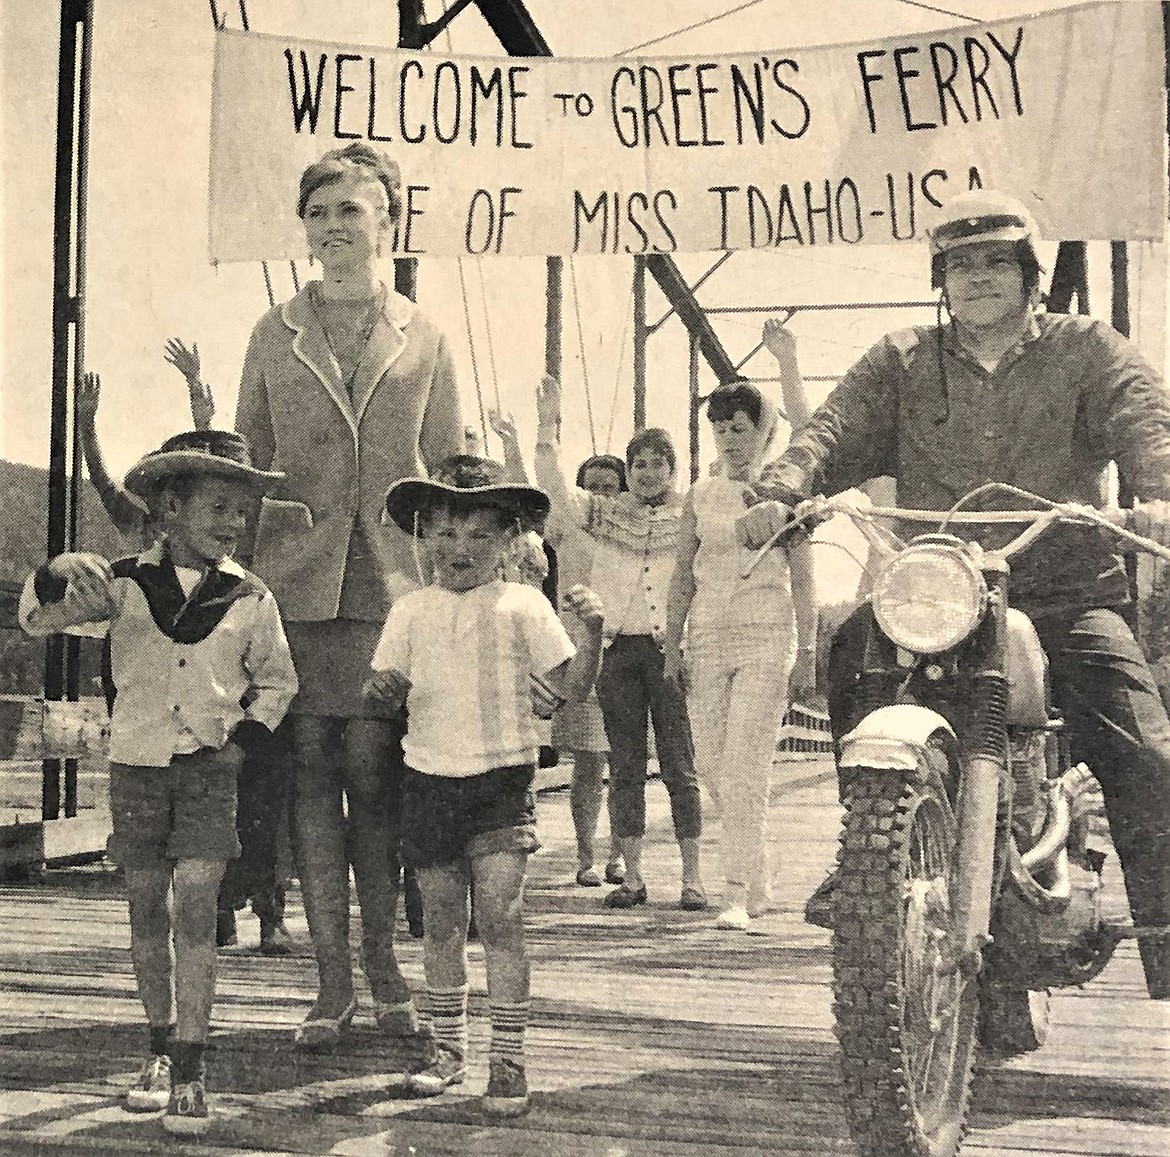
470, 655
202, 675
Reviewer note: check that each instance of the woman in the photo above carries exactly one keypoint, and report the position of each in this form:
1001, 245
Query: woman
746, 638
349, 388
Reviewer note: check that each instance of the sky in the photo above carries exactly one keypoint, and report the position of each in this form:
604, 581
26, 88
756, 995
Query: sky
149, 277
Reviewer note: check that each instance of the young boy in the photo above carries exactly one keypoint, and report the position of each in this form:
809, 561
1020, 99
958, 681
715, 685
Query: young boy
193, 637
469, 656
635, 536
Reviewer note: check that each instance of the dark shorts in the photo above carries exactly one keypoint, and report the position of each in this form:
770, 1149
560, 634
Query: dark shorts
186, 811
448, 819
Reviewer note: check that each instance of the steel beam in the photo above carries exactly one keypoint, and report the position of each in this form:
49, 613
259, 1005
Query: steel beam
517, 32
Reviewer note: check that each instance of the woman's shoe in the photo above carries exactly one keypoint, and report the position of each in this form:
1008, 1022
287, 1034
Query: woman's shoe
615, 873
397, 1019
322, 1033
626, 897
735, 919
588, 877
692, 899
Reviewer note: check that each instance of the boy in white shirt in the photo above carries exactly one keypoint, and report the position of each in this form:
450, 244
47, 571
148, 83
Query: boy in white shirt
469, 655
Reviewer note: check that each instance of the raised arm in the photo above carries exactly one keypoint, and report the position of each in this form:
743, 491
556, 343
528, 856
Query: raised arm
127, 513
568, 505
186, 361
515, 469
781, 344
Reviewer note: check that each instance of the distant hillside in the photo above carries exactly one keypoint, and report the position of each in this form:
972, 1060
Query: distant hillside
23, 501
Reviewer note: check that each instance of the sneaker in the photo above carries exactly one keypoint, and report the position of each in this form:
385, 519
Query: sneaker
507, 1089
151, 1092
734, 919
447, 1069
188, 1114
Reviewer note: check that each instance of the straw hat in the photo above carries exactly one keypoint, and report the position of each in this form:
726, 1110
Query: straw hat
223, 453
465, 480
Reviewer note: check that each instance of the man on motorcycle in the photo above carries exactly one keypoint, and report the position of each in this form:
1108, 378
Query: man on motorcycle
1006, 392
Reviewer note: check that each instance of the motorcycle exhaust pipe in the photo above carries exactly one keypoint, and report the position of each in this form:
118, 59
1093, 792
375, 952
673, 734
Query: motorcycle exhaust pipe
1055, 834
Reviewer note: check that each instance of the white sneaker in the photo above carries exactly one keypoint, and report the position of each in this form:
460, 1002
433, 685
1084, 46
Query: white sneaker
151, 1092
735, 918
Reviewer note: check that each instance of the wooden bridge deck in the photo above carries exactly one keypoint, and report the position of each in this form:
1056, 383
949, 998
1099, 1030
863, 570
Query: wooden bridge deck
652, 1033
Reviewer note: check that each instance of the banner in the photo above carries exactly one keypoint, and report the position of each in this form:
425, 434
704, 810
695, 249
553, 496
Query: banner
832, 145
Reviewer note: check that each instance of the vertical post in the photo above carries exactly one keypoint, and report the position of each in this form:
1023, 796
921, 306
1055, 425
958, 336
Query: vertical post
553, 316
1119, 279
640, 335
76, 21
1119, 315
410, 20
696, 402
76, 495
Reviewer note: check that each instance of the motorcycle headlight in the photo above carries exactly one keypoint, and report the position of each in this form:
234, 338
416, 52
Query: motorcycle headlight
929, 598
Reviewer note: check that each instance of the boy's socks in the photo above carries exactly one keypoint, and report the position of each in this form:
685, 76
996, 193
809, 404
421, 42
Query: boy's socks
187, 1061
508, 1024
448, 1014
160, 1039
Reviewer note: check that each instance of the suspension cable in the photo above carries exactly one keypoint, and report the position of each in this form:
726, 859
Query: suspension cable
690, 27
581, 347
471, 347
487, 323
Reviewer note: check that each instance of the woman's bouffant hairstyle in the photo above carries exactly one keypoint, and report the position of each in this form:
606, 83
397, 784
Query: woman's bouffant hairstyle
359, 158
603, 462
725, 401
654, 439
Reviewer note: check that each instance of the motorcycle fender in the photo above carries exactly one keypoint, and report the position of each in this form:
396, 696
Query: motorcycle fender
892, 738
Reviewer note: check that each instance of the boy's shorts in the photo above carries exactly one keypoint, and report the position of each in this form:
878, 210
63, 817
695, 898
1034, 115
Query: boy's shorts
186, 811
446, 819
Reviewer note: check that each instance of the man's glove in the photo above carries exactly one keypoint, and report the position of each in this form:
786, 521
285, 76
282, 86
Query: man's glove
1151, 520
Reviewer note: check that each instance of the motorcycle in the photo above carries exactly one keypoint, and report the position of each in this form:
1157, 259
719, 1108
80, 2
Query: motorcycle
966, 885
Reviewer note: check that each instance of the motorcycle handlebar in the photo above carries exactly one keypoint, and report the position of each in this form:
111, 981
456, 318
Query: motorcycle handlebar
818, 509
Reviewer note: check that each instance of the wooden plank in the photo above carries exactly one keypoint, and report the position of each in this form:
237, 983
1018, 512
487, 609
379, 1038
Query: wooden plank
652, 1032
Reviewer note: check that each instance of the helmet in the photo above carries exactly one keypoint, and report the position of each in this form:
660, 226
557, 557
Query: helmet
982, 215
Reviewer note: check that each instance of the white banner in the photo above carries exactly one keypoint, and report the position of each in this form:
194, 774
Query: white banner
832, 145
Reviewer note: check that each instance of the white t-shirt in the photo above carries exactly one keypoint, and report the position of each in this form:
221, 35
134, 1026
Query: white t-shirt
469, 657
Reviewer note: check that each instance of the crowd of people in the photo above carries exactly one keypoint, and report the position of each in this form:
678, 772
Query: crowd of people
374, 656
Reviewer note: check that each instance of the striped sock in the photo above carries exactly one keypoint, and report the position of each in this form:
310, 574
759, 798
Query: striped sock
508, 1024
448, 1015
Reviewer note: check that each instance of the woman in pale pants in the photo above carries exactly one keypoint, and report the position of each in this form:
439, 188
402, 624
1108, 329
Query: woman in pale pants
748, 639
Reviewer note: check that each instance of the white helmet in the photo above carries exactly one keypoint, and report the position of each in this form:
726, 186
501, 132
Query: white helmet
982, 215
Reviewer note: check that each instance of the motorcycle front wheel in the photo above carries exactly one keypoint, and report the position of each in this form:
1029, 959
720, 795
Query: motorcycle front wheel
907, 1024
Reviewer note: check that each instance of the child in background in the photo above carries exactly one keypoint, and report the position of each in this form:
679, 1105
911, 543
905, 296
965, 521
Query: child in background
460, 654
193, 637
579, 727
635, 536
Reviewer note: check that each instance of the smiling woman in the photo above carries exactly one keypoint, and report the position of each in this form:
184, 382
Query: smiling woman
349, 387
